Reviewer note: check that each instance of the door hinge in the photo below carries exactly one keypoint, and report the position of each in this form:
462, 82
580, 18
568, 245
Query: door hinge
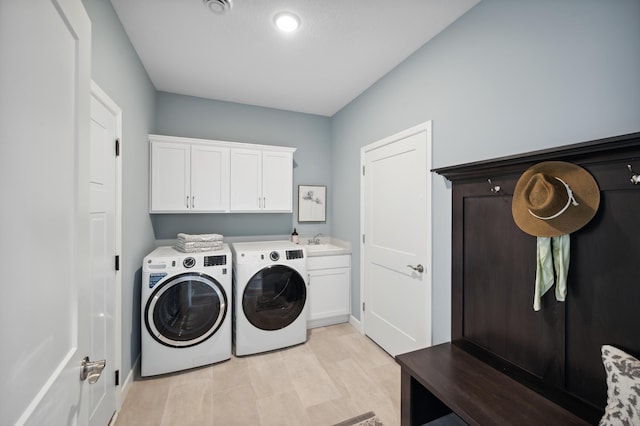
117, 147
362, 170
117, 377
117, 263
362, 306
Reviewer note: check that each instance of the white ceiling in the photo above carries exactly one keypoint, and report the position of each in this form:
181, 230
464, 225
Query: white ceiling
341, 48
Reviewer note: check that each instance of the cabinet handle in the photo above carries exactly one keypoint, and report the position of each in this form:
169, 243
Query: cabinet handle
264, 202
187, 201
193, 201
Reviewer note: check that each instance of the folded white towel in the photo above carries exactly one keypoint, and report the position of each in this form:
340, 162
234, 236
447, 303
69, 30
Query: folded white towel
199, 237
197, 249
199, 244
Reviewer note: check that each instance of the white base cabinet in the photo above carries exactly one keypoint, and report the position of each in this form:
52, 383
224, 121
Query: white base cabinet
329, 290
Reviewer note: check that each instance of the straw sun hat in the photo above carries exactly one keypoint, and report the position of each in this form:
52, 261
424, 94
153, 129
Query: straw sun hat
554, 198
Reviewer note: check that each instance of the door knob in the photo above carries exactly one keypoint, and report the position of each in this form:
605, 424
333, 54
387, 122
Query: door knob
92, 369
418, 268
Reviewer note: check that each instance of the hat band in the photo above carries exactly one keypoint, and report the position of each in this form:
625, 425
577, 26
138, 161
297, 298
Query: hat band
570, 200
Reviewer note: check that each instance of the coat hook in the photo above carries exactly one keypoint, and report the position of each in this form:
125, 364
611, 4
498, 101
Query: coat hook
495, 188
635, 179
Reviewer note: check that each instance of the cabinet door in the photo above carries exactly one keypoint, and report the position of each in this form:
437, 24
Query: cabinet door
170, 171
277, 181
209, 179
246, 180
329, 293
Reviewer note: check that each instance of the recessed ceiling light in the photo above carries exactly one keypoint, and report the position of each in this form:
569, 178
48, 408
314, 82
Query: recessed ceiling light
218, 6
287, 21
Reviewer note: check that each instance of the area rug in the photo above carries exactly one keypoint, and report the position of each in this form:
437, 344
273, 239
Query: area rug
366, 419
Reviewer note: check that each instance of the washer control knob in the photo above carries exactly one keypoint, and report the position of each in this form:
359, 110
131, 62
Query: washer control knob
274, 255
189, 262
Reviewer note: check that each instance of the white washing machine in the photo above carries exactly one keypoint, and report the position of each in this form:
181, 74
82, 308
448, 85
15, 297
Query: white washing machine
269, 296
186, 309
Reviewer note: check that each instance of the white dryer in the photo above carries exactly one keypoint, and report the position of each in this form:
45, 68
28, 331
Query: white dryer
186, 317
269, 296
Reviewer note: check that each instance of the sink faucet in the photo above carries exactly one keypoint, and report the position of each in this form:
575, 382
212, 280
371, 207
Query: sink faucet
315, 240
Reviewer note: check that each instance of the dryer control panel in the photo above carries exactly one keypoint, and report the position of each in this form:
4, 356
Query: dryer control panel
295, 254
215, 260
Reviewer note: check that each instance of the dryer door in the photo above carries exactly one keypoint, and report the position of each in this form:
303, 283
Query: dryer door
186, 310
274, 297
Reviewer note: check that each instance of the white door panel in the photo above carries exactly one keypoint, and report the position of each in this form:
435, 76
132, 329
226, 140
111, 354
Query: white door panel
390, 305
102, 395
209, 178
171, 176
44, 163
277, 173
396, 225
246, 180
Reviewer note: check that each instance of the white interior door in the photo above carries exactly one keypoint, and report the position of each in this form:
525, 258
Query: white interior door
396, 260
103, 177
44, 219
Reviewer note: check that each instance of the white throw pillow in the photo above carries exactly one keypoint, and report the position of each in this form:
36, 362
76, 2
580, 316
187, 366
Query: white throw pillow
623, 388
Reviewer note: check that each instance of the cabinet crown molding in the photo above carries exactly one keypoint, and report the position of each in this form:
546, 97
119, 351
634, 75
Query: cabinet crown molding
213, 142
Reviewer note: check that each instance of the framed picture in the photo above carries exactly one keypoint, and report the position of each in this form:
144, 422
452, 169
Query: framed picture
312, 203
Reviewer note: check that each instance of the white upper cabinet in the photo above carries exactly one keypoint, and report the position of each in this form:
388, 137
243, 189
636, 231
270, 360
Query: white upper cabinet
170, 177
277, 181
204, 176
261, 180
246, 180
189, 177
209, 178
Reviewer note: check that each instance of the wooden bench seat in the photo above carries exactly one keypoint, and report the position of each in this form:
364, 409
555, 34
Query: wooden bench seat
444, 378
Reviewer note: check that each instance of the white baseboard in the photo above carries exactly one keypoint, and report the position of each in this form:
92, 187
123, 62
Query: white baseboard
125, 388
129, 381
324, 322
356, 323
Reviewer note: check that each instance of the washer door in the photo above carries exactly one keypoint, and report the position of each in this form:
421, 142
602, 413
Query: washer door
274, 297
186, 310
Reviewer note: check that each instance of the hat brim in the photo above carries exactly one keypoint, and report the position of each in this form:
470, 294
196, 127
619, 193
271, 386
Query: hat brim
585, 191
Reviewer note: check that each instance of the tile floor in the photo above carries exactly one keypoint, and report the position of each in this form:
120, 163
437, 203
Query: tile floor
337, 374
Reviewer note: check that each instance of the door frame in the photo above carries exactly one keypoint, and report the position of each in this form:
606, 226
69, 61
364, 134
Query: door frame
427, 127
102, 97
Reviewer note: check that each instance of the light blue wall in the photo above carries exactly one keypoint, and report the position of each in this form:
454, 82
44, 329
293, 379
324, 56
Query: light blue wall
507, 77
117, 69
187, 116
